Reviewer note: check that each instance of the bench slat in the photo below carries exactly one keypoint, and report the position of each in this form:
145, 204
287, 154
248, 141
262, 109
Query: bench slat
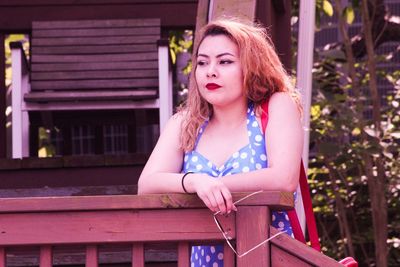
97, 32
147, 39
84, 75
94, 58
94, 66
90, 96
93, 49
95, 23
94, 84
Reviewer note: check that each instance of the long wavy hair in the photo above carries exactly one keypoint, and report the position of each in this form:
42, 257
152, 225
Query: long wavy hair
263, 73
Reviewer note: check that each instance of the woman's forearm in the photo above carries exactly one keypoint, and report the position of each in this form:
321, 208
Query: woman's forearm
160, 183
264, 179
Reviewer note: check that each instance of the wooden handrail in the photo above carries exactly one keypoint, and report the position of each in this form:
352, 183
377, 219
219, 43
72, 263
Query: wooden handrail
136, 220
275, 200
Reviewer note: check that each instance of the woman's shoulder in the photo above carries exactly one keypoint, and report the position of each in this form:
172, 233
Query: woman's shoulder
176, 120
281, 96
284, 101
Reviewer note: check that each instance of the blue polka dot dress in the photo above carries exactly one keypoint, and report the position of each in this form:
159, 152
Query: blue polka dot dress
249, 158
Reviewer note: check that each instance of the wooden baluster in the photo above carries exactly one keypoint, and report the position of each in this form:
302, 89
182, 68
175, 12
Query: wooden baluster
2, 257
46, 258
229, 256
252, 227
138, 255
183, 254
91, 256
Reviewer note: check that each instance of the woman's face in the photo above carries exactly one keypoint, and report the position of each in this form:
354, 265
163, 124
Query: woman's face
219, 73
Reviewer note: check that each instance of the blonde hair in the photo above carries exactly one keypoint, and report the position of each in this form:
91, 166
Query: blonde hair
263, 73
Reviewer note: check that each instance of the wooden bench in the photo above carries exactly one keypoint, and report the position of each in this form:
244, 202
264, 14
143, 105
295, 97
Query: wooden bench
140, 220
90, 65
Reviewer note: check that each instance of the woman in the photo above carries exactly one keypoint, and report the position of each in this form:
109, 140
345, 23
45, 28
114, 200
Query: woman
215, 145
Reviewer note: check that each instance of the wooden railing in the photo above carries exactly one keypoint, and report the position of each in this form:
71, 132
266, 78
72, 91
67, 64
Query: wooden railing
137, 220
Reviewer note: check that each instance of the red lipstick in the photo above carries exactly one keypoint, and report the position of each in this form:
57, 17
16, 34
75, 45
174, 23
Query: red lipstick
212, 86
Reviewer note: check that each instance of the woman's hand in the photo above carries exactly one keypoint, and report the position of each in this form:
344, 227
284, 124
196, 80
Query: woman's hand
212, 191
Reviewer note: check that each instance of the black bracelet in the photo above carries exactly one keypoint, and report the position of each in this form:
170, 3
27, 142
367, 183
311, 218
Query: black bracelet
183, 180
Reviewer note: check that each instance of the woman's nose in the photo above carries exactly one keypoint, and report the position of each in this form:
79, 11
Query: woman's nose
211, 71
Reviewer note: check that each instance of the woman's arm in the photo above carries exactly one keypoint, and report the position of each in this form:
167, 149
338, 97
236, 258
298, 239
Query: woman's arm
284, 145
161, 174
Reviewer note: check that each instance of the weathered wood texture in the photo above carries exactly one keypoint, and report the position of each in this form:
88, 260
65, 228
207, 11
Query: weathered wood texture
132, 220
252, 220
81, 221
281, 200
91, 256
71, 175
183, 254
286, 251
138, 255
46, 259
60, 51
2, 257
17, 15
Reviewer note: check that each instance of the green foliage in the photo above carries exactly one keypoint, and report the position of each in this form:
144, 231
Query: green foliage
348, 13
342, 131
46, 148
323, 8
14, 38
179, 42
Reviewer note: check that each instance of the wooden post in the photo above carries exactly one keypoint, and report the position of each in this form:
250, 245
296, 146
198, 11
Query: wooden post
91, 256
252, 228
2, 257
138, 255
165, 85
3, 130
183, 254
46, 259
229, 256
20, 120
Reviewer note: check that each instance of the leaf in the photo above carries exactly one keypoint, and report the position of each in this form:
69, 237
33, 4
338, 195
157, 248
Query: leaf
356, 131
348, 13
395, 135
370, 131
327, 8
335, 54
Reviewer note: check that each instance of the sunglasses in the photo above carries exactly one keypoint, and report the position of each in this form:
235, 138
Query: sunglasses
229, 238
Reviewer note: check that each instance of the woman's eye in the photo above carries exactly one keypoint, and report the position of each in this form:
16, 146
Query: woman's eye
201, 63
225, 61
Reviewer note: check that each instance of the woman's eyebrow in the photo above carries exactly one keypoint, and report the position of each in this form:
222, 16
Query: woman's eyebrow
219, 55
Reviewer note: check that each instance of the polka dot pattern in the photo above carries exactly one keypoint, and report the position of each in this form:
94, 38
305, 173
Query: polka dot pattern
249, 158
